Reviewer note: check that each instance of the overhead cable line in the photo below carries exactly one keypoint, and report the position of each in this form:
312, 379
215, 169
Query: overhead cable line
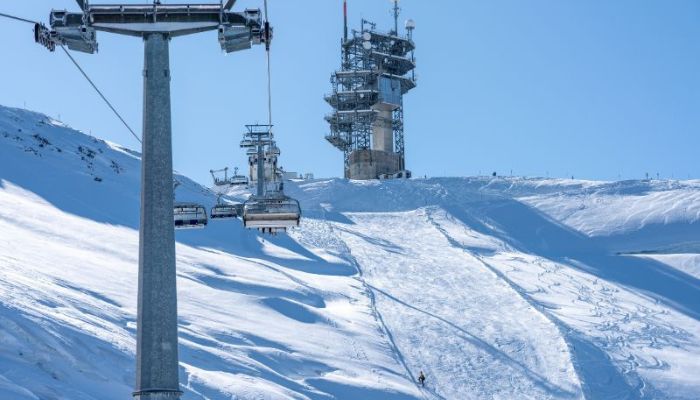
17, 18
82, 71
100, 93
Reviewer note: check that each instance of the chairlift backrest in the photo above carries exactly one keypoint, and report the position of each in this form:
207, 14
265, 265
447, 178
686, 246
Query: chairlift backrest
189, 215
277, 213
239, 180
224, 211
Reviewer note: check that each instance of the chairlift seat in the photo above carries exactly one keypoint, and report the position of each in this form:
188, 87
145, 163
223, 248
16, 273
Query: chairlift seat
189, 216
237, 180
224, 211
271, 213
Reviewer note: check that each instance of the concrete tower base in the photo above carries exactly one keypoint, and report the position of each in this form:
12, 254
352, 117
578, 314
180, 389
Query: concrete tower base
369, 164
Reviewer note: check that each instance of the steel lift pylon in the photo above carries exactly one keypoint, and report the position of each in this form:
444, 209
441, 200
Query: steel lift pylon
156, 24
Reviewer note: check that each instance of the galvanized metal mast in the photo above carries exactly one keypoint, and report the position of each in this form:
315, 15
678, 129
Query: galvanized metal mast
157, 24
261, 170
397, 12
345, 21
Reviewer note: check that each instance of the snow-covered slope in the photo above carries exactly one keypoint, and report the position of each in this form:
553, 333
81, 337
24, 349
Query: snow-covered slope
258, 319
495, 288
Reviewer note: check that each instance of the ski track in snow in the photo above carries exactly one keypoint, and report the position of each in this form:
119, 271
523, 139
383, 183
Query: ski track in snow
482, 356
632, 329
377, 314
496, 288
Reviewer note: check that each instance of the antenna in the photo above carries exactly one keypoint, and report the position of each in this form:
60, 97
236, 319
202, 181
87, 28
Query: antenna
410, 26
397, 11
344, 49
345, 21
268, 38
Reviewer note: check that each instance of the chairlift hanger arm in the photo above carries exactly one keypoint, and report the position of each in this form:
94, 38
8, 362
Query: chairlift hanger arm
229, 4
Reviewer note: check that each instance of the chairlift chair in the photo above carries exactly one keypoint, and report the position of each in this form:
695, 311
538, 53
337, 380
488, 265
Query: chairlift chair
190, 216
271, 213
237, 180
224, 211
246, 143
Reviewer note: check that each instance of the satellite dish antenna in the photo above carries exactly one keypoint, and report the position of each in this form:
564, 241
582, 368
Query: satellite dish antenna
410, 24
367, 45
367, 36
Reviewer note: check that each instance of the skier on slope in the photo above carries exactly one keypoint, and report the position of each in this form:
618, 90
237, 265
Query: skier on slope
421, 379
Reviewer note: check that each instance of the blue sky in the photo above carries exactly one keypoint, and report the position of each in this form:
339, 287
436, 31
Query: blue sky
596, 89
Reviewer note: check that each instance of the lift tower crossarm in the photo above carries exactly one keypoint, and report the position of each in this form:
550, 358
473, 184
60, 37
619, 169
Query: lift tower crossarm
175, 20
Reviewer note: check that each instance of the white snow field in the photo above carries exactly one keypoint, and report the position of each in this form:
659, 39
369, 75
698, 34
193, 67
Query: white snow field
497, 288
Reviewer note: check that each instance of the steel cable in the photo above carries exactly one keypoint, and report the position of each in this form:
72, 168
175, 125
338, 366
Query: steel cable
75, 62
